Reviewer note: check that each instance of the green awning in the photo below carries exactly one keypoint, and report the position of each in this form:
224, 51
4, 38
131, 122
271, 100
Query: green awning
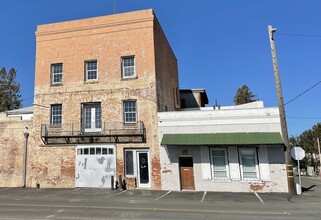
223, 139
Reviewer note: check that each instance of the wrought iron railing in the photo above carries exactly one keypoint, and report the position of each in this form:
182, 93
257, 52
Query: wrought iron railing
116, 130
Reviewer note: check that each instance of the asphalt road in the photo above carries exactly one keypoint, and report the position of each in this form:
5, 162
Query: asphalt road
80, 203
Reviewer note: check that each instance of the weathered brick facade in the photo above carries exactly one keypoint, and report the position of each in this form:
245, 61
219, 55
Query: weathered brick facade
106, 40
12, 149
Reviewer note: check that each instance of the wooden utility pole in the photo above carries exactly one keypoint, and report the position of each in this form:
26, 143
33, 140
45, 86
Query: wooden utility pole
114, 6
284, 129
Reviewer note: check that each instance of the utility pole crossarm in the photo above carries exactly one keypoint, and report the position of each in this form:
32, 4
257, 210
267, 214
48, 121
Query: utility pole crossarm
284, 130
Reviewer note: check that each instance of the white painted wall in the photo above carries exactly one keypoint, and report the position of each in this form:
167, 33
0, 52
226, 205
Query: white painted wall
252, 117
23, 116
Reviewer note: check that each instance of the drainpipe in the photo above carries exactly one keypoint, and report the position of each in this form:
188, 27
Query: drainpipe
26, 134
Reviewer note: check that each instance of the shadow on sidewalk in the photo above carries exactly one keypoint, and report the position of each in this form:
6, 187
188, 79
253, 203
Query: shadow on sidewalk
304, 189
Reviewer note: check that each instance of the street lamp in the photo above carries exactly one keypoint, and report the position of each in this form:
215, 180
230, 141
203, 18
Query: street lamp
26, 135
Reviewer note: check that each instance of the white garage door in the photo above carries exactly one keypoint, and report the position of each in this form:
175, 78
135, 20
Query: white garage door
95, 164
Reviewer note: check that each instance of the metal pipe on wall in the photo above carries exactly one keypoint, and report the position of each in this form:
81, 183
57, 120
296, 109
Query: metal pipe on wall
24, 173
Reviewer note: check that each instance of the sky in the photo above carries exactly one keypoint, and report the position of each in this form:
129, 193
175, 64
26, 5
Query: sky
219, 45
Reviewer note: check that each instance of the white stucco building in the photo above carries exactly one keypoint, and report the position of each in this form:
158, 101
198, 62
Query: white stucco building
234, 149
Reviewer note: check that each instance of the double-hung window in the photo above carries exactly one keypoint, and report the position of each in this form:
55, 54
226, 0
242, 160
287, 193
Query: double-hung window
56, 73
128, 67
91, 70
129, 111
249, 164
219, 163
56, 114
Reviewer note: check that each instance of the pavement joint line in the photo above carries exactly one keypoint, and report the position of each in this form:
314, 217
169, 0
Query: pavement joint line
163, 195
116, 194
261, 200
152, 209
204, 194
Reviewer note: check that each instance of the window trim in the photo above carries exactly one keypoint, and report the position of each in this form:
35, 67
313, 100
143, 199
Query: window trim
227, 177
86, 70
52, 74
124, 113
52, 116
257, 177
123, 67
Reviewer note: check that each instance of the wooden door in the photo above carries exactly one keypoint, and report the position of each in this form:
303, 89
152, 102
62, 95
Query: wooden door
186, 173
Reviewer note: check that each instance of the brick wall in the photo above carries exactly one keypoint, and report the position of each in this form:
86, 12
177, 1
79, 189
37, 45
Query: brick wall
105, 39
12, 149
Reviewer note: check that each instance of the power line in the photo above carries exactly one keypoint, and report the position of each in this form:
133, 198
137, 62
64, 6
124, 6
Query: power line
304, 118
303, 92
28, 98
300, 35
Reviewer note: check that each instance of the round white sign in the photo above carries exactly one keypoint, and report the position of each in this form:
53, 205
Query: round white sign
297, 153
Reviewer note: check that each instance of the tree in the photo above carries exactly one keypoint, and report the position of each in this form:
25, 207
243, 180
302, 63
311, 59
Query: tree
10, 97
244, 95
307, 140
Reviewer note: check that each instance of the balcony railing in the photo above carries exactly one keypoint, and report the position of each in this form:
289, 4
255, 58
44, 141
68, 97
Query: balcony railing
107, 132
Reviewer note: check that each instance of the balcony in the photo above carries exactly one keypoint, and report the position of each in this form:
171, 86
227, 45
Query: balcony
107, 132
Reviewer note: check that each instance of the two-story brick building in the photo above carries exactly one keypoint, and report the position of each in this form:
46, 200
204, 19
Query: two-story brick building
99, 84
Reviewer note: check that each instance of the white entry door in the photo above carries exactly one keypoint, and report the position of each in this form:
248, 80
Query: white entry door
95, 164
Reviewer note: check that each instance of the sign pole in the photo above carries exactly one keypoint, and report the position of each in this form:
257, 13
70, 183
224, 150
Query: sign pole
299, 171
297, 153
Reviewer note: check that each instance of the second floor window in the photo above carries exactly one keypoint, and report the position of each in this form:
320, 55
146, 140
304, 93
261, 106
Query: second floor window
56, 114
56, 73
91, 70
128, 67
129, 108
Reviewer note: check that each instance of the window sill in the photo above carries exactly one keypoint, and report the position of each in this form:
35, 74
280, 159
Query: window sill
129, 78
55, 126
251, 181
56, 84
93, 81
130, 124
221, 180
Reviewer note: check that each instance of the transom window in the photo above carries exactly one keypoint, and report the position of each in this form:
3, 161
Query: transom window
91, 70
129, 109
56, 73
95, 151
128, 67
219, 163
249, 165
56, 114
